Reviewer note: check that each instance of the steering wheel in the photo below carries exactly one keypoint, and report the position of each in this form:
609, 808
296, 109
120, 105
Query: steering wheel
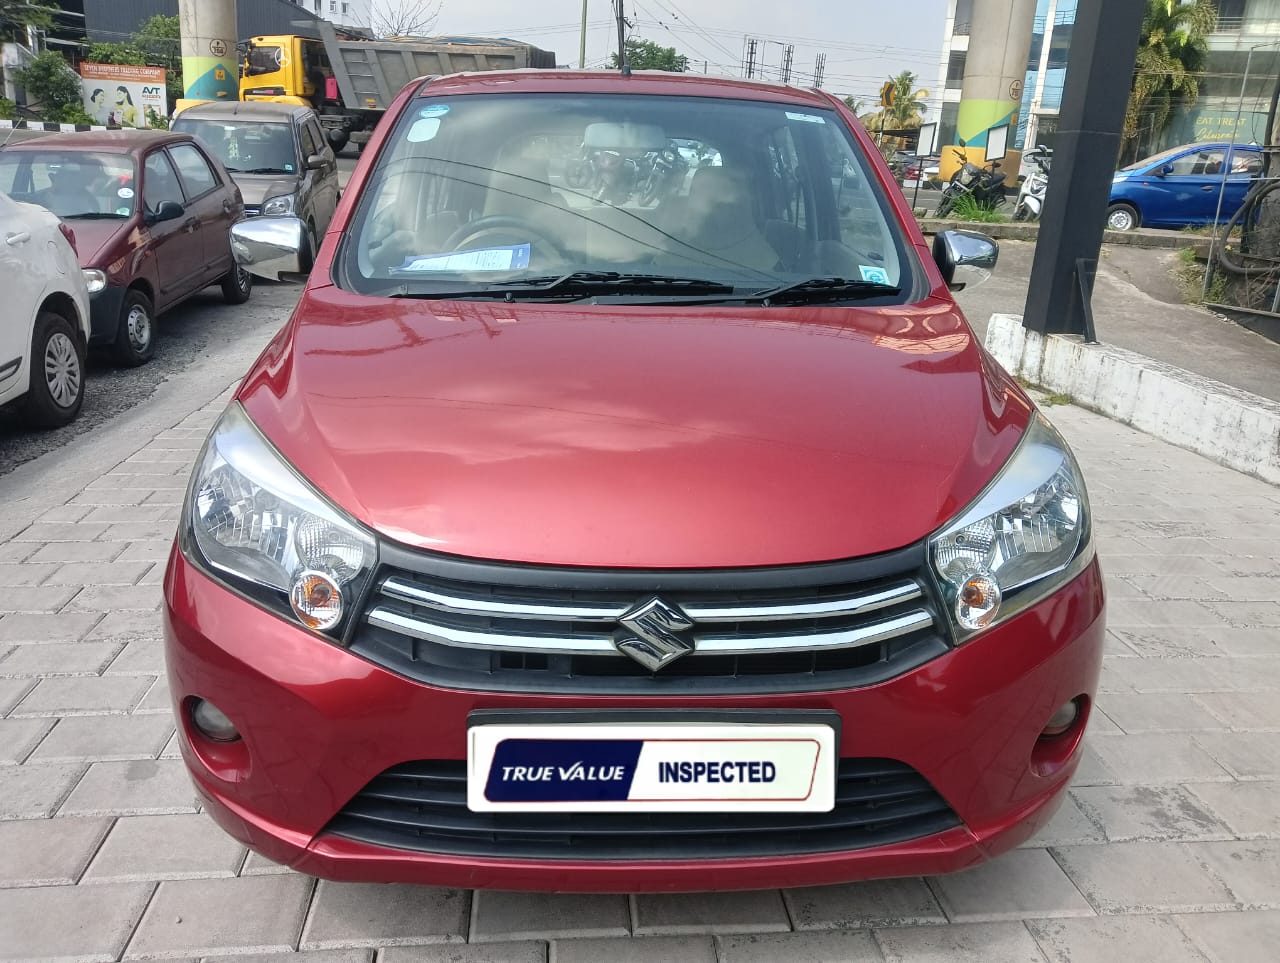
501, 225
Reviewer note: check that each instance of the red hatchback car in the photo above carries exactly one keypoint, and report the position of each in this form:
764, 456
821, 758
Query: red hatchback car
152, 215
627, 506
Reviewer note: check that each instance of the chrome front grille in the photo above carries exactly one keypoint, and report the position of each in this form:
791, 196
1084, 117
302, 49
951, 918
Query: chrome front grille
562, 631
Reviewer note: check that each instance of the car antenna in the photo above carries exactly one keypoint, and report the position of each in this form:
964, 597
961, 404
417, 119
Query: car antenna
622, 41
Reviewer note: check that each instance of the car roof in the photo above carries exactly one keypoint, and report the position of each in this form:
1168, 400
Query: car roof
249, 110
116, 141
651, 82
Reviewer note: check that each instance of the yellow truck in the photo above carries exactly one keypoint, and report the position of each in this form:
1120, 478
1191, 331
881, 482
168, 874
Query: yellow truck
351, 82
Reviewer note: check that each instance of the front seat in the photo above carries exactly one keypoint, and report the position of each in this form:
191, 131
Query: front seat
719, 220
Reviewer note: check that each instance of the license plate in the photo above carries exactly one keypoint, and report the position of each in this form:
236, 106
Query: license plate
699, 767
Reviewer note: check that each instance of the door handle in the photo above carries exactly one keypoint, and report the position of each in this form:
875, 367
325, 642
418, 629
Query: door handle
19, 237
1208, 187
190, 224
226, 207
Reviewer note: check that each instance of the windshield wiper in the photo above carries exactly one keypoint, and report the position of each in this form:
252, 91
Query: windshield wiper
580, 284
822, 289
91, 215
263, 170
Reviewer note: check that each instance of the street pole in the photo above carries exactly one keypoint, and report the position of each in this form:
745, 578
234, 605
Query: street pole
622, 41
209, 70
1104, 44
582, 39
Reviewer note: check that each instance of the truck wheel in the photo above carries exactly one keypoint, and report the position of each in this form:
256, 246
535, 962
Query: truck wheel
56, 389
338, 140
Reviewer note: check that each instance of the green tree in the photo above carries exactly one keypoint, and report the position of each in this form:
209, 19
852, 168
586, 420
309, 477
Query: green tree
908, 106
1172, 51
53, 88
17, 15
157, 43
855, 104
647, 55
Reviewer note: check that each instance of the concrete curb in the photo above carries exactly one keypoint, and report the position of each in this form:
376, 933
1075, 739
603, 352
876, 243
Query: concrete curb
1171, 240
1230, 426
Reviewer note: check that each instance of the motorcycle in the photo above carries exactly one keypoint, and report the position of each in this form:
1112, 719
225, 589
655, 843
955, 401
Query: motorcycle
986, 185
1033, 187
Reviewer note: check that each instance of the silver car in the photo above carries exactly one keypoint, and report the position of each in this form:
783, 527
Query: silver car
278, 157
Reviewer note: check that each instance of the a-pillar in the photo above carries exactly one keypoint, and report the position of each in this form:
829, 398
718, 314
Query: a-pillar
995, 70
209, 69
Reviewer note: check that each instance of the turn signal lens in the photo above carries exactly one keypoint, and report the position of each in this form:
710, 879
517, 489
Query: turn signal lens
977, 600
316, 600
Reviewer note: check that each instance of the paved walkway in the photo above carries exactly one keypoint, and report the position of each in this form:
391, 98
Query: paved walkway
1168, 847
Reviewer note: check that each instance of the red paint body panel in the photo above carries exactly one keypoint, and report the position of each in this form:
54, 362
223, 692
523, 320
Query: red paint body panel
319, 723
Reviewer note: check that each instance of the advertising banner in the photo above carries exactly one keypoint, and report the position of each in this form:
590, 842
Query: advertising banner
122, 96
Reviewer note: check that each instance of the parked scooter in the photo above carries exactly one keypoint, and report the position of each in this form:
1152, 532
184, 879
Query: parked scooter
985, 184
1031, 196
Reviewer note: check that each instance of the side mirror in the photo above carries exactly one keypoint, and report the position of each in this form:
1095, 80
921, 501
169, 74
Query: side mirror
317, 162
269, 247
167, 211
1165, 170
965, 258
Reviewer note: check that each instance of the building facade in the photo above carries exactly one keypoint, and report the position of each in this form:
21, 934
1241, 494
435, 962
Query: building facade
1244, 56
346, 13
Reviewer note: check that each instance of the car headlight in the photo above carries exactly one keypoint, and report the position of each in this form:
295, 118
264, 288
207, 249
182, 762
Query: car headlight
94, 280
261, 528
1025, 536
278, 205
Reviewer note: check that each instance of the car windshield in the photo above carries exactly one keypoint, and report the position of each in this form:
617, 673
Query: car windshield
72, 184
245, 146
473, 194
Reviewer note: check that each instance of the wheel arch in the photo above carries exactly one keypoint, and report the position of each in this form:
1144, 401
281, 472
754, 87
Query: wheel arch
61, 303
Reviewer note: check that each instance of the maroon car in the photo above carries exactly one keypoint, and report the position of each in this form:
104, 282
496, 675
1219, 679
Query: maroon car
151, 211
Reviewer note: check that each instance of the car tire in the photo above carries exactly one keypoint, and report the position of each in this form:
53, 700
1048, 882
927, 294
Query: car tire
136, 331
944, 207
56, 392
308, 253
237, 285
1020, 213
1122, 217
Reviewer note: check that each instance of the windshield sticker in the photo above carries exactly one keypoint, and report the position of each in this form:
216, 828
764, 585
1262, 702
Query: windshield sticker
125, 192
807, 118
122, 211
511, 258
435, 110
288, 168
876, 275
423, 130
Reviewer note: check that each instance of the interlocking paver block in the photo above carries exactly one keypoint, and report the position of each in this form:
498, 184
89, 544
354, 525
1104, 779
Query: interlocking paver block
218, 916
35, 598
63, 627
1250, 869
1136, 613
77, 551
526, 951
157, 700
1249, 809
13, 691
69, 922
137, 624
1155, 758
1068, 827
313, 956
58, 658
1171, 642
258, 865
18, 737
1020, 884
370, 914
884, 902
672, 914
1239, 710
1247, 613
1246, 755
643, 949
1144, 878
960, 943
83, 695
105, 738
1141, 712
1113, 938
99, 573
116, 598
47, 852
33, 791
1249, 937
59, 532
148, 550
823, 947
139, 657
112, 514
139, 531
499, 915
180, 846
28, 573
141, 787
1150, 812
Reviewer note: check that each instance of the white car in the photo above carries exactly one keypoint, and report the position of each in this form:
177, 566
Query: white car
45, 329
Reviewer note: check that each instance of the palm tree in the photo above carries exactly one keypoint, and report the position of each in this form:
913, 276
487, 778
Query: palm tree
907, 110
1172, 52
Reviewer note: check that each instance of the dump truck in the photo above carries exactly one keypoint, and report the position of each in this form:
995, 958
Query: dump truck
351, 81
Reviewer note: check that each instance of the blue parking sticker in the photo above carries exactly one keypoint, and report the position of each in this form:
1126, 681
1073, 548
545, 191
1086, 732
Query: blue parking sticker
876, 275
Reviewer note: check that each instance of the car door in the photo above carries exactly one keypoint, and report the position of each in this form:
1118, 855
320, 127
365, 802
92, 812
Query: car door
322, 183
209, 199
175, 244
1246, 166
1195, 183
24, 284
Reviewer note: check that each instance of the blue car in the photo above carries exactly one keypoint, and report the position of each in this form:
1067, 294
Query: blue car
1179, 187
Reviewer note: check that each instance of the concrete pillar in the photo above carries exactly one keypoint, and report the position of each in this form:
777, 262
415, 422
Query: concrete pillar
209, 68
994, 72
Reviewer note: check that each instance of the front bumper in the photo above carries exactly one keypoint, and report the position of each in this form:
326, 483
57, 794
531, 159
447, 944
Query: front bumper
319, 723
104, 314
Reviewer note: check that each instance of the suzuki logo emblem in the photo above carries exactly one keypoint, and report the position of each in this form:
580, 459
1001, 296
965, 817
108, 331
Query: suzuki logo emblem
655, 623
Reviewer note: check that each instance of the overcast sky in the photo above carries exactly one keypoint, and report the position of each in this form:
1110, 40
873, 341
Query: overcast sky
866, 40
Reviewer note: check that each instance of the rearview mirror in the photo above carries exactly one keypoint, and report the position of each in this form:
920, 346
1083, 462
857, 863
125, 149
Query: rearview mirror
167, 211
269, 247
965, 258
626, 138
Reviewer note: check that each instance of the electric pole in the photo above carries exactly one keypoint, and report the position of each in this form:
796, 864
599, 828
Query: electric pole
819, 68
622, 40
751, 57
787, 54
582, 39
